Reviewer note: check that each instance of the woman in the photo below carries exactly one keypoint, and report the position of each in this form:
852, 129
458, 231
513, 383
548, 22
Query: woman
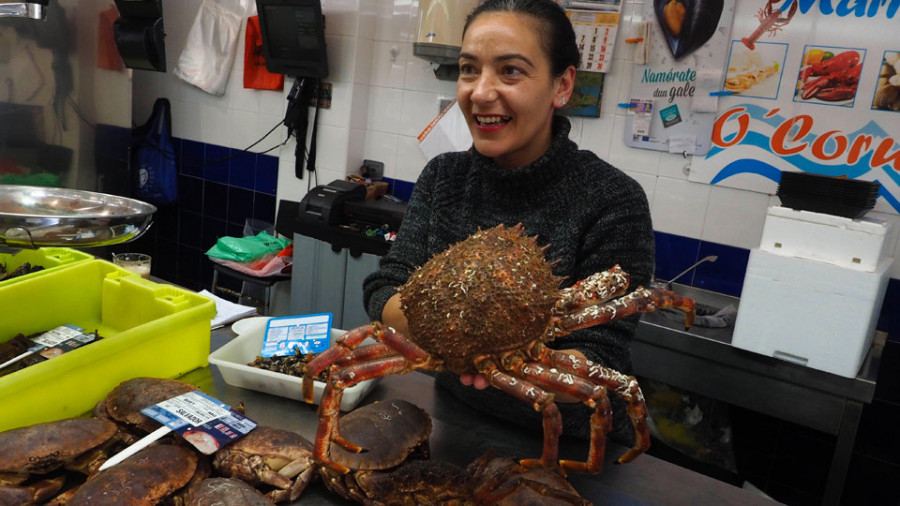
517, 68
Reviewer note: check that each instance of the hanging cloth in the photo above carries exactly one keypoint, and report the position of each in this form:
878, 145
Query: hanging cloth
209, 51
256, 75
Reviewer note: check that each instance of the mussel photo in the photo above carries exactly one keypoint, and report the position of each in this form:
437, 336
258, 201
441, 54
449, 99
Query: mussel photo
687, 24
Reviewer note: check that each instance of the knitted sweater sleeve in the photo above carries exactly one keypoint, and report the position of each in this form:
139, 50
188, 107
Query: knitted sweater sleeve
408, 251
622, 233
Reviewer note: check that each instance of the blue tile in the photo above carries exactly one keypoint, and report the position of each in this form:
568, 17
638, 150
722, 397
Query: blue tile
674, 253
264, 207
889, 320
190, 263
215, 165
266, 174
190, 194
242, 169
240, 205
215, 200
726, 274
213, 229
166, 223
192, 157
165, 259
189, 231
399, 188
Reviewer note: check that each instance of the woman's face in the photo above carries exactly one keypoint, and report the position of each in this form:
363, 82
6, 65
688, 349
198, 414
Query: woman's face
506, 90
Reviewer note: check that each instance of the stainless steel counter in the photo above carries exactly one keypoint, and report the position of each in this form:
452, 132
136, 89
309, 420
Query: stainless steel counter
460, 435
702, 360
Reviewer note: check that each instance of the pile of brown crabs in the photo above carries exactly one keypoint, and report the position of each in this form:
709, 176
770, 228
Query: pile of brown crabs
488, 305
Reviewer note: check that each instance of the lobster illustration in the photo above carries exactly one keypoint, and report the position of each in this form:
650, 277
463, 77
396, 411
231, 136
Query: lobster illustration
833, 79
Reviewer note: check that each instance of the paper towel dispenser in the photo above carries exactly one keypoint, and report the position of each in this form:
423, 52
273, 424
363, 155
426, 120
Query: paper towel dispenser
439, 33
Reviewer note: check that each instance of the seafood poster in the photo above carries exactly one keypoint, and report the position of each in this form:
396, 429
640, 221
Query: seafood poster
688, 45
815, 87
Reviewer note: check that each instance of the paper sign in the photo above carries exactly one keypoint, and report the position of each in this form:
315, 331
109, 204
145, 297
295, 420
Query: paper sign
289, 334
203, 421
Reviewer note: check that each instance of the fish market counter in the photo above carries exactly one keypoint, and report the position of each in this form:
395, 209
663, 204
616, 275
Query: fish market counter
461, 435
703, 361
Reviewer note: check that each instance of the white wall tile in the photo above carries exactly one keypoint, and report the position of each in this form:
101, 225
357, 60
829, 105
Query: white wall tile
389, 64
338, 114
362, 74
241, 98
596, 135
417, 111
674, 165
393, 21
359, 108
341, 17
382, 147
410, 160
735, 217
341, 57
577, 123
384, 109
332, 148
631, 159
679, 207
216, 128
647, 182
243, 128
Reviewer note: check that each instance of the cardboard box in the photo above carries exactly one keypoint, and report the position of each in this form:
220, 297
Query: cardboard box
148, 329
809, 313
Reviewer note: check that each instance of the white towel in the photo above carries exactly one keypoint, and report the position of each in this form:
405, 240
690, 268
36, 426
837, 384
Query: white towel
211, 44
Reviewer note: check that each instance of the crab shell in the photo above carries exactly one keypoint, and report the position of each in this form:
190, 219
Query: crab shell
269, 457
147, 477
391, 432
468, 301
124, 403
502, 481
218, 491
44, 447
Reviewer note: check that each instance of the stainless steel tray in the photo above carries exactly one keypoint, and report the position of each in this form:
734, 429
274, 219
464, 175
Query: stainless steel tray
33, 217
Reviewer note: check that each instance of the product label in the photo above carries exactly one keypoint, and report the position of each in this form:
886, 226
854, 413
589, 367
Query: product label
203, 421
291, 334
62, 339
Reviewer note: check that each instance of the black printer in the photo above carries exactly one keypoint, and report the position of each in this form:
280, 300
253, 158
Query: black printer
324, 204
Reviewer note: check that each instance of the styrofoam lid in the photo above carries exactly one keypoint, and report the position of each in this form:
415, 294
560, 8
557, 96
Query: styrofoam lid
864, 224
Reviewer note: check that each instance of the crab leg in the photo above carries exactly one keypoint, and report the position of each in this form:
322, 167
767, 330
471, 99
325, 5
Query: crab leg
623, 385
591, 394
642, 300
595, 289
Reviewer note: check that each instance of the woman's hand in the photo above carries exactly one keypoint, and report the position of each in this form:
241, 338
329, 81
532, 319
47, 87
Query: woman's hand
480, 382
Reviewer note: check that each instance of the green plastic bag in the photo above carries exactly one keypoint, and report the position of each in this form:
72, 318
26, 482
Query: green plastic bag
246, 249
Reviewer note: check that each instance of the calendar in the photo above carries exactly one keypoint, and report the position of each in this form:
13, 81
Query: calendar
595, 34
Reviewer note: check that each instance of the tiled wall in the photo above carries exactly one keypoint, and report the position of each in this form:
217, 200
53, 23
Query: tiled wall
383, 96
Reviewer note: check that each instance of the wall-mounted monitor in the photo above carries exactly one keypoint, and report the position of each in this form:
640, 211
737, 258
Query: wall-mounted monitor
293, 33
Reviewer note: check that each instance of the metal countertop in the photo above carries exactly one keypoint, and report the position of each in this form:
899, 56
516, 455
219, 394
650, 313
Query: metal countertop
461, 434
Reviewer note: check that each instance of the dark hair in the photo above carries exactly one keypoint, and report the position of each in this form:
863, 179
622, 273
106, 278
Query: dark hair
555, 30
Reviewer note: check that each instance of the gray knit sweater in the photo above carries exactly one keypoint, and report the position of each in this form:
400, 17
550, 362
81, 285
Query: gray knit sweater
591, 214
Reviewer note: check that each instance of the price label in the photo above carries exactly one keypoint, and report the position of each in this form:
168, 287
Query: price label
203, 421
292, 334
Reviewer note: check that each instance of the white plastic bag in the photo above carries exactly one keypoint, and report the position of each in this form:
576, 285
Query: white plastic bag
211, 44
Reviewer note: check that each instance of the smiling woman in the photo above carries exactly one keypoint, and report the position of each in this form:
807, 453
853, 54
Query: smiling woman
517, 66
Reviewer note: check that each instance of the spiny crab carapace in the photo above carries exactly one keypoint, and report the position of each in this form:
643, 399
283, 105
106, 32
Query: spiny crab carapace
487, 305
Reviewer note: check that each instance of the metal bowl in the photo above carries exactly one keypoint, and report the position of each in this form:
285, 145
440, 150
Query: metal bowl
33, 217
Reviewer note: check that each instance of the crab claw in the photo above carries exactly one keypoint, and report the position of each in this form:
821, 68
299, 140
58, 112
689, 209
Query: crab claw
663, 298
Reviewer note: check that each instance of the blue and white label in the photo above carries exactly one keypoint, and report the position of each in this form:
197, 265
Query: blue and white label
297, 334
203, 421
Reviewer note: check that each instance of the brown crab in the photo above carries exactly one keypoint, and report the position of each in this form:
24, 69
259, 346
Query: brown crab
231, 491
147, 477
487, 305
29, 456
275, 458
393, 432
123, 404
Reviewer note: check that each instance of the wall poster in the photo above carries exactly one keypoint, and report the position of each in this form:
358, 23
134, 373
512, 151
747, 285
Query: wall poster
674, 93
815, 88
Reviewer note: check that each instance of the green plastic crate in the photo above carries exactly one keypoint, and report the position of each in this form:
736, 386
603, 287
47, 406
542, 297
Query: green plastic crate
50, 259
148, 329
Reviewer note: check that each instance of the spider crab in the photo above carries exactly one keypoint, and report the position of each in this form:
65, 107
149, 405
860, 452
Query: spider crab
487, 305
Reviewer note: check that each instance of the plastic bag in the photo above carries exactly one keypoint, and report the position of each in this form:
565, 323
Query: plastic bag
246, 249
267, 265
211, 45
152, 158
256, 76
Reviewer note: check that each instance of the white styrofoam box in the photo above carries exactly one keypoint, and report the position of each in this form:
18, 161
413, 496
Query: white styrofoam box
808, 312
859, 244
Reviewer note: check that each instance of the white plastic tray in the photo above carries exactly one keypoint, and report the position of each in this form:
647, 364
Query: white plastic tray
232, 360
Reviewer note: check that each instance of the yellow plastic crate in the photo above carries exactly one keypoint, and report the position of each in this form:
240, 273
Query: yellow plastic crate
148, 329
50, 259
